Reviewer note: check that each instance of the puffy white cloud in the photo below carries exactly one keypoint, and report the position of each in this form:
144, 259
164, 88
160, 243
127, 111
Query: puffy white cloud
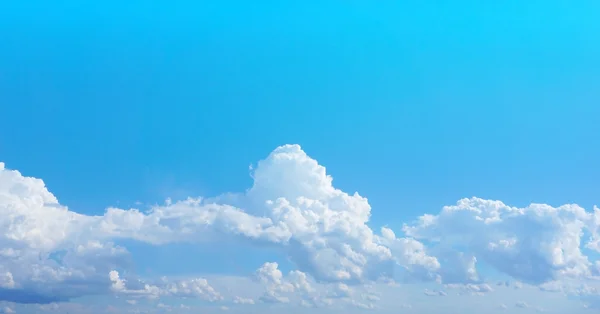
297, 286
535, 244
46, 250
410, 254
323, 229
192, 288
272, 278
189, 288
49, 253
276, 285
119, 286
270, 275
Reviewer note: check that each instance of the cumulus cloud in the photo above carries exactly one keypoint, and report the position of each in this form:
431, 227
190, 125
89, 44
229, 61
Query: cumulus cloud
324, 230
190, 288
299, 287
49, 253
535, 244
33, 227
270, 276
278, 288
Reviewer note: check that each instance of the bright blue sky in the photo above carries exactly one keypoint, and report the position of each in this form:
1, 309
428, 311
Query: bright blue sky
431, 102
412, 105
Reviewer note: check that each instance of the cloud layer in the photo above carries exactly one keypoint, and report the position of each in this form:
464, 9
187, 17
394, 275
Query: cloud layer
50, 253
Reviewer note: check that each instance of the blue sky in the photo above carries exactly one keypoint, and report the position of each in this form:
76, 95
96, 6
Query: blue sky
415, 106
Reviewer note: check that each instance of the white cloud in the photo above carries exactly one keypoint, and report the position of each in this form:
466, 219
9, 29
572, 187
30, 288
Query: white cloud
322, 229
298, 287
278, 288
190, 288
49, 253
535, 244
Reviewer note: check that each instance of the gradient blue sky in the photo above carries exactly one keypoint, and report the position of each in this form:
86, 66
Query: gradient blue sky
413, 105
